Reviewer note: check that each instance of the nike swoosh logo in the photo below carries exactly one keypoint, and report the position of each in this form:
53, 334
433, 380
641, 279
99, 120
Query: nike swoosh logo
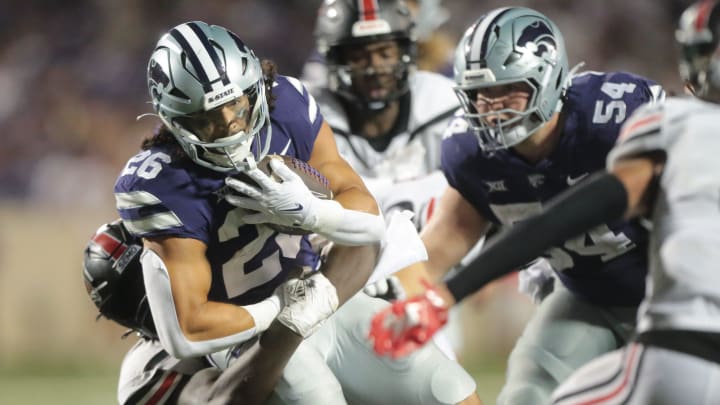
297, 208
571, 181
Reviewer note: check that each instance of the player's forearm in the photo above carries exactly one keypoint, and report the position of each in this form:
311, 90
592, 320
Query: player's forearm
357, 199
204, 327
446, 248
412, 278
349, 267
455, 227
600, 199
214, 320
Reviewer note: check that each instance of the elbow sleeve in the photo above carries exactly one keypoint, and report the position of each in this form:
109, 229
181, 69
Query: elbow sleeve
599, 199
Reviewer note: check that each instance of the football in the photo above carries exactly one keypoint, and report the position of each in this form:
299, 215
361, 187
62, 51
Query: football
314, 180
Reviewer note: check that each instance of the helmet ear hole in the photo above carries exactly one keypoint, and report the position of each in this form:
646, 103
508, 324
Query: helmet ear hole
179, 94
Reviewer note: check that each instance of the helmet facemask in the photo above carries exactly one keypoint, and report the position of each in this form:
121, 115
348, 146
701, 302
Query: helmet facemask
228, 152
501, 128
347, 26
354, 80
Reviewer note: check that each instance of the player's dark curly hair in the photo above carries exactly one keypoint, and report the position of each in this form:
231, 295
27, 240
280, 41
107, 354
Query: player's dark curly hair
163, 136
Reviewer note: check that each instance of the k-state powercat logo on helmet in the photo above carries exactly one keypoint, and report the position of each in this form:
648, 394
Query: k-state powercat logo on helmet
537, 37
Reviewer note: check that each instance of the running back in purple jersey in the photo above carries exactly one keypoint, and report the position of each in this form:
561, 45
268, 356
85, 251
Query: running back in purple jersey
161, 195
606, 265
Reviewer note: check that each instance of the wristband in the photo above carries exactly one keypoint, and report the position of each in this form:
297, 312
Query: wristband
265, 311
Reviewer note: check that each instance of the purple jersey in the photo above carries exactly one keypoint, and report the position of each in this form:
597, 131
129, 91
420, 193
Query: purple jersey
606, 265
158, 195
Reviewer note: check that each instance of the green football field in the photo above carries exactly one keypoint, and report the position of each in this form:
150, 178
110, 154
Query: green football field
97, 387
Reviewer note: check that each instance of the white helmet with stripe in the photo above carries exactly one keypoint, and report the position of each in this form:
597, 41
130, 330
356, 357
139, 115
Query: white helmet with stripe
344, 24
505, 46
698, 35
196, 68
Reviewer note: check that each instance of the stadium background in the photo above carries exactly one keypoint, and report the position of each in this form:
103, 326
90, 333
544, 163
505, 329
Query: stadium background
72, 81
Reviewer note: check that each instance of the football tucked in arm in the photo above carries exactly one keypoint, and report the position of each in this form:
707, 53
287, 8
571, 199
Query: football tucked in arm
314, 180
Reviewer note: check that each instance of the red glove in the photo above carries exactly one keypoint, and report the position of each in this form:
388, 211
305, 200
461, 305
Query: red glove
408, 324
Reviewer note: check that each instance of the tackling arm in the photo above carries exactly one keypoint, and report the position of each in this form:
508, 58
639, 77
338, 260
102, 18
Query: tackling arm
605, 197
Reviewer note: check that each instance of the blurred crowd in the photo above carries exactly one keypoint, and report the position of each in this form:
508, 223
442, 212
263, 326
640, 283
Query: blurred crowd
72, 73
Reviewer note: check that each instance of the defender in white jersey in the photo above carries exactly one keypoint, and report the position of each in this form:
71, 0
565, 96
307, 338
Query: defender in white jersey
667, 161
388, 118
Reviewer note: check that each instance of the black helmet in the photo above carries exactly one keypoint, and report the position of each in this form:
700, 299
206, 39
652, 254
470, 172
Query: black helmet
114, 279
343, 24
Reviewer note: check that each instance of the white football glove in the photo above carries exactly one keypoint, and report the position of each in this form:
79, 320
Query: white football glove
287, 202
537, 281
388, 289
308, 302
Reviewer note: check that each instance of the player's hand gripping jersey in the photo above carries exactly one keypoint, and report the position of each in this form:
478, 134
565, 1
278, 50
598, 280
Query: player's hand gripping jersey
505, 188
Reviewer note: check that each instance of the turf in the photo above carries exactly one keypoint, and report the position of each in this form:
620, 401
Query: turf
98, 388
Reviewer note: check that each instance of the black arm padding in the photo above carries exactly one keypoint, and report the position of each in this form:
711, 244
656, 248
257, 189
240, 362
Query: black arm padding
599, 199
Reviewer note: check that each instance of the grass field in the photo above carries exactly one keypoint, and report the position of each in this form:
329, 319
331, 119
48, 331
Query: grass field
98, 387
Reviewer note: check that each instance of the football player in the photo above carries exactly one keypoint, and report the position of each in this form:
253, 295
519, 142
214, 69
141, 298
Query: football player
531, 129
246, 257
387, 116
216, 275
665, 167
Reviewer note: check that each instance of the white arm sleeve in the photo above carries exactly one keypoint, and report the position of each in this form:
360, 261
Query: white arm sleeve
162, 307
348, 227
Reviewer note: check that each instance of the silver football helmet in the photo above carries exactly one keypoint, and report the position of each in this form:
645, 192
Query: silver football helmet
347, 23
196, 68
511, 45
698, 37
